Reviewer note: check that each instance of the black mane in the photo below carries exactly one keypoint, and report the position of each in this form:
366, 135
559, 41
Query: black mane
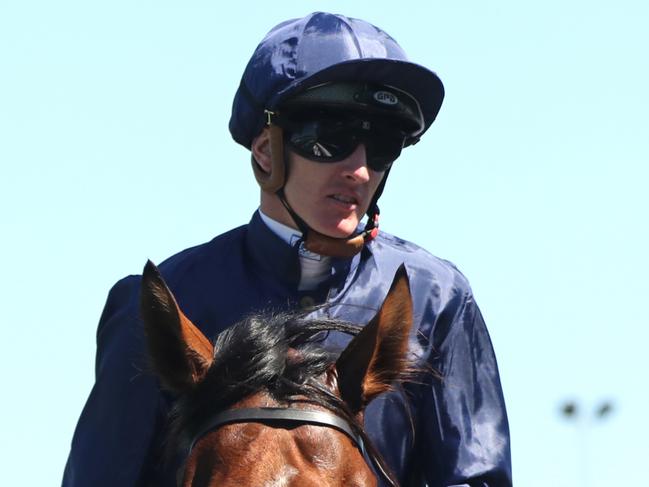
280, 354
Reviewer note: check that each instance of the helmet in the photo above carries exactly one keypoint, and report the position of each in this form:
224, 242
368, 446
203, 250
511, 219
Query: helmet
322, 49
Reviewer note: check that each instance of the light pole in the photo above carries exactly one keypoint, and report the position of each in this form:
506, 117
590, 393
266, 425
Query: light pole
584, 420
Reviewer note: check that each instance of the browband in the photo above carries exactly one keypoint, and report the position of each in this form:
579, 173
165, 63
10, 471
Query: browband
290, 415
261, 415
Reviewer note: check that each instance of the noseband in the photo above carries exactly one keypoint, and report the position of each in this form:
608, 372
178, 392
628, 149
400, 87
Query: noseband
290, 416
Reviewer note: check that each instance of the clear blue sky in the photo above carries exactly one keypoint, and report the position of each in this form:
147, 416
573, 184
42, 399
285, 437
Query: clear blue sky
114, 149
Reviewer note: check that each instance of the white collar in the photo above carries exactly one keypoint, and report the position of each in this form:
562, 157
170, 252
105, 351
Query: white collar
286, 233
315, 268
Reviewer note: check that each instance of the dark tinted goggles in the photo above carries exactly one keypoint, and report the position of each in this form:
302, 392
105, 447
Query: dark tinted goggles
334, 139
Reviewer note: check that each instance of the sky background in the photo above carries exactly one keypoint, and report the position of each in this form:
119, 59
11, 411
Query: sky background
114, 148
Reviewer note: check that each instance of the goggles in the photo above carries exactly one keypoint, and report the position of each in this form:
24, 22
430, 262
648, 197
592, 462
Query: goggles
330, 139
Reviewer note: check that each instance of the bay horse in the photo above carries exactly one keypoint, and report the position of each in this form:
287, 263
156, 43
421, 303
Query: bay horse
266, 405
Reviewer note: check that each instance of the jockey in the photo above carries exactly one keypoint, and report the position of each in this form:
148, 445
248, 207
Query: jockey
325, 105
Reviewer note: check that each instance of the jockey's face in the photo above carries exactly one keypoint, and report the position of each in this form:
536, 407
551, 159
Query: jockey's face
330, 197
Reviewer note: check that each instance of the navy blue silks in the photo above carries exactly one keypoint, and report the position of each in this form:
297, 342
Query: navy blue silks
457, 434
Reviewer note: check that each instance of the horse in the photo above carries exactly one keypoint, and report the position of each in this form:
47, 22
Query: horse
266, 404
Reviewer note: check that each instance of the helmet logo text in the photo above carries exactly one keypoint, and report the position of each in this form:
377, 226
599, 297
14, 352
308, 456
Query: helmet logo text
386, 98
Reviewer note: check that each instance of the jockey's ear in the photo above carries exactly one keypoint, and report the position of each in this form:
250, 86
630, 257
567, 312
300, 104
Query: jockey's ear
180, 353
261, 150
378, 355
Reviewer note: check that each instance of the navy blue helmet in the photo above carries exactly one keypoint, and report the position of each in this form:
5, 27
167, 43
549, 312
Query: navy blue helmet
326, 48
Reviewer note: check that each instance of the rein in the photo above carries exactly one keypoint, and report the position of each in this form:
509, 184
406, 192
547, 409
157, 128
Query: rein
291, 416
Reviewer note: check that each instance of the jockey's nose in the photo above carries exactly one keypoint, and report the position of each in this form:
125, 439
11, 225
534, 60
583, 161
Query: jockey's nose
355, 166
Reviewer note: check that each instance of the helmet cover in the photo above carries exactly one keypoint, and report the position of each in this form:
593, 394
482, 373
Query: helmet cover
325, 48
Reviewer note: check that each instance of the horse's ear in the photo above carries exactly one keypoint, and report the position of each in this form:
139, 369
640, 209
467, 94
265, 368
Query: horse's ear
180, 353
378, 355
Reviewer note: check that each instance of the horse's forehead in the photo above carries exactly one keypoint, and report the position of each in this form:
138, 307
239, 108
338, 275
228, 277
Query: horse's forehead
286, 457
326, 447
273, 456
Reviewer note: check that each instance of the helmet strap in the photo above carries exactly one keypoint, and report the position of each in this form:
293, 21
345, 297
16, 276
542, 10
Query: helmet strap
321, 244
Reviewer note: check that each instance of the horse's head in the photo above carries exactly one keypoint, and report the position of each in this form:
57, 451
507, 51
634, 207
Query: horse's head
266, 405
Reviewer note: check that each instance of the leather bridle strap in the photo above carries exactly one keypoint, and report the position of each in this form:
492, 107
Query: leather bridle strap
285, 415
292, 416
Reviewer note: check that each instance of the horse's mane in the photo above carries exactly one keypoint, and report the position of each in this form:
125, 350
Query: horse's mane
277, 353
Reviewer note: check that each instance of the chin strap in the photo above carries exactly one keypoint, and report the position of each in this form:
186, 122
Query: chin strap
321, 244
314, 241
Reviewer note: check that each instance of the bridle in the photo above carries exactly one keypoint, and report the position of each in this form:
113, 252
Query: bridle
274, 416
281, 416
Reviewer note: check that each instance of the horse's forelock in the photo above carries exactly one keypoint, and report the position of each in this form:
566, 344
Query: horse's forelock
280, 354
